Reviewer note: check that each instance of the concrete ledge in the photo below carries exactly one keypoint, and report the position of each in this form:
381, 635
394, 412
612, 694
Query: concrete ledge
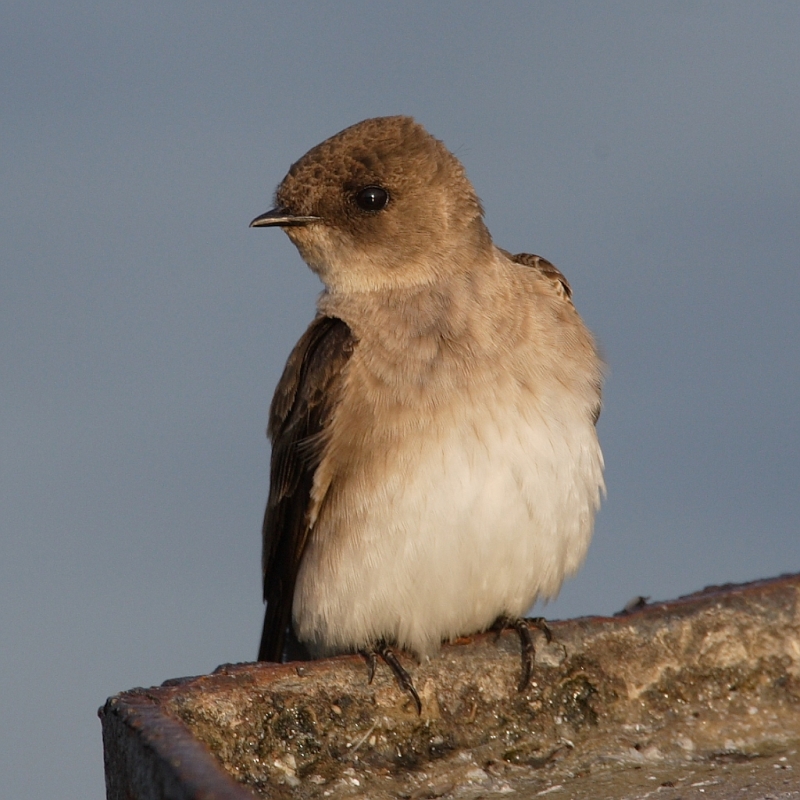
698, 697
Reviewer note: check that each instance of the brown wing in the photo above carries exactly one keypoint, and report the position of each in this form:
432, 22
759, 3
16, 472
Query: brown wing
306, 395
561, 284
550, 272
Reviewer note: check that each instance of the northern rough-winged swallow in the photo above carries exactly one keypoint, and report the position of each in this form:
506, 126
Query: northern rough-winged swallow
435, 464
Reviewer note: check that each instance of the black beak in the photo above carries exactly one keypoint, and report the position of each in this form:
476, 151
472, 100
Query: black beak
281, 217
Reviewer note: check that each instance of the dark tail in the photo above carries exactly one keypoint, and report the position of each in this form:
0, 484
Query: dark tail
279, 643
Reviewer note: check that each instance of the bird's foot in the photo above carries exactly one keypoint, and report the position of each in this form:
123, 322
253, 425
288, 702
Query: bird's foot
522, 627
389, 657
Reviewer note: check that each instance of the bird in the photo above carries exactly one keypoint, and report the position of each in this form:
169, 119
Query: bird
435, 464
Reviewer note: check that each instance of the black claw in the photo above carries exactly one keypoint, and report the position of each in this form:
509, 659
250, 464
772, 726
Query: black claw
389, 658
528, 653
541, 624
521, 626
372, 660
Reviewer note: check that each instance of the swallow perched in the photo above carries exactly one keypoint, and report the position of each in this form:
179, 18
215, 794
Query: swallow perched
435, 464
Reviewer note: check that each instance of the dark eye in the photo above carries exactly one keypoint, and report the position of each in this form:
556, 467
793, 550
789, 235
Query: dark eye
372, 198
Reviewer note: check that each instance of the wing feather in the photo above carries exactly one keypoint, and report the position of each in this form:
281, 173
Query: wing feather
307, 394
548, 270
562, 287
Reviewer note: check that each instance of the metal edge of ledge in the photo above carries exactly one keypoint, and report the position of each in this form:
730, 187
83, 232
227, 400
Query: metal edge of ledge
150, 755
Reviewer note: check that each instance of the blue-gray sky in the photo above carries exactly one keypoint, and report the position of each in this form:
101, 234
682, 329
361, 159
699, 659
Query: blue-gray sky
652, 151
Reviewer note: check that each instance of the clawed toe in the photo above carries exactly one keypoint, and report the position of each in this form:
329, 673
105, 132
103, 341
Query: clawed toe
389, 657
528, 654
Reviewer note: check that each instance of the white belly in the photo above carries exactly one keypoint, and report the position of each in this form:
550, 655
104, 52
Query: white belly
471, 525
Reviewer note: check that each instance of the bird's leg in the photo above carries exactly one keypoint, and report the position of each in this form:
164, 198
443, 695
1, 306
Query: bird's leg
389, 657
522, 627
372, 660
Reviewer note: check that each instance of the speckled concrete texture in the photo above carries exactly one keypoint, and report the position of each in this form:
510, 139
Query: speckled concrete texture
698, 697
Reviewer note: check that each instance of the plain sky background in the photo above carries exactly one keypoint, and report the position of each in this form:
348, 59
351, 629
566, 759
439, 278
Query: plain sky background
650, 150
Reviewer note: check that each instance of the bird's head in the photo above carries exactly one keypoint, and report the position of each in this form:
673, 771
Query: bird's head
380, 205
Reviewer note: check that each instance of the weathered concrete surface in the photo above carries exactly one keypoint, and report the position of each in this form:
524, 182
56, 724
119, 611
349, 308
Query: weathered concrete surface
699, 697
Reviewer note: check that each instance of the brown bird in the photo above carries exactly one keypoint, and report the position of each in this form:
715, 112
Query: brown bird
435, 464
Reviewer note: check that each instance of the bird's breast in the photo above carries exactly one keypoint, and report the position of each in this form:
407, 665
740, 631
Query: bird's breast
442, 510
